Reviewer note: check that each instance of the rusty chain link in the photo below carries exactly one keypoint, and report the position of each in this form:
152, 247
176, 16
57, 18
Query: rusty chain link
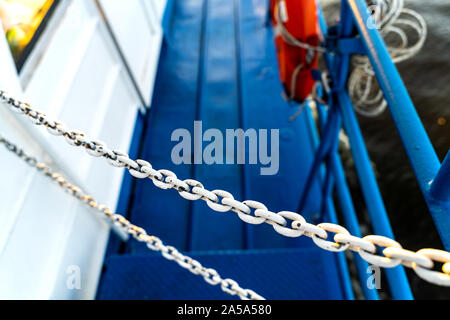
286, 223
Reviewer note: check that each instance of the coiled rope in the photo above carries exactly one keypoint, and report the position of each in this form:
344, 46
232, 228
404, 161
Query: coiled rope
397, 26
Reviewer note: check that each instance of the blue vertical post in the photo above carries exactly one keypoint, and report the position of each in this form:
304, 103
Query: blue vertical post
330, 212
328, 139
378, 216
397, 279
343, 193
348, 212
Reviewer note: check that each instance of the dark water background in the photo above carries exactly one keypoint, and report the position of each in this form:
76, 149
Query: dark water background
427, 78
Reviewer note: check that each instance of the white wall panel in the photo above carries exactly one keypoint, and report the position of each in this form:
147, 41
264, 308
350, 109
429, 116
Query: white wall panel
139, 35
75, 75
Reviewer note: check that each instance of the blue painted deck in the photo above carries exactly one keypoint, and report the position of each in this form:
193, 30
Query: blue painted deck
218, 65
299, 275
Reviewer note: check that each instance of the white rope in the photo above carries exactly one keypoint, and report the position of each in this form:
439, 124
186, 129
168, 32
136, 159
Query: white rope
288, 37
396, 27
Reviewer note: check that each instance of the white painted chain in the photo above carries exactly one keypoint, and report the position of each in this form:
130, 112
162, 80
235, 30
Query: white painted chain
153, 243
254, 212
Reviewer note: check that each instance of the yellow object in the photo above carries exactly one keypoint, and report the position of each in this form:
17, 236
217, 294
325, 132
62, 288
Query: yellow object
20, 19
17, 40
442, 121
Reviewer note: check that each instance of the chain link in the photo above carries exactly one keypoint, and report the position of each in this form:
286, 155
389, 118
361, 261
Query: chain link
254, 212
153, 243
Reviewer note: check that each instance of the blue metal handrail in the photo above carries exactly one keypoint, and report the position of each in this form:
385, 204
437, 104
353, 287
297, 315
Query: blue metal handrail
419, 149
433, 178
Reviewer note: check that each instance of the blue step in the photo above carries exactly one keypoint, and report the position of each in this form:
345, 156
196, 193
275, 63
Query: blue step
218, 65
274, 274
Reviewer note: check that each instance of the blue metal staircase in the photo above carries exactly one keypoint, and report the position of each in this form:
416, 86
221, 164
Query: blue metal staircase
218, 65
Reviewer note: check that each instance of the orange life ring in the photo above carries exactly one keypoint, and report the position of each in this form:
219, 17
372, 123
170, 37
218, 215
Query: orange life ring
296, 19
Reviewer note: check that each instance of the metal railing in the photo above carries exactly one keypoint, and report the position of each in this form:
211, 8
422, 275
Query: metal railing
433, 178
